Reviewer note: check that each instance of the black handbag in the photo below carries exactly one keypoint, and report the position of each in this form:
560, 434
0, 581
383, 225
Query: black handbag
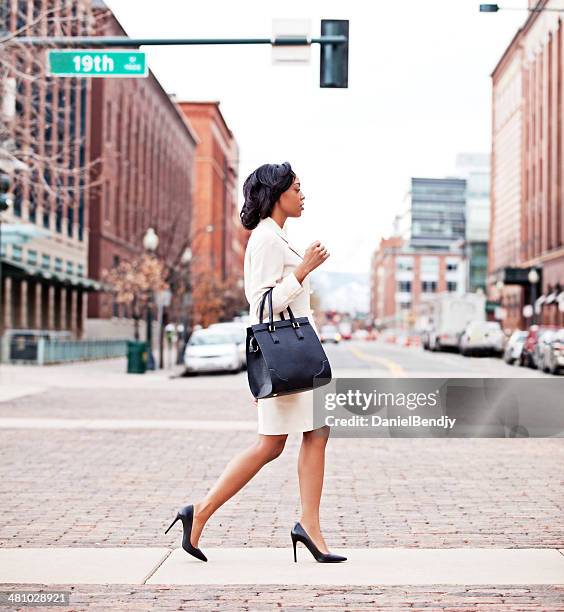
285, 356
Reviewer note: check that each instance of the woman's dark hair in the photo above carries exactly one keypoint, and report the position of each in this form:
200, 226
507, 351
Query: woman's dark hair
261, 189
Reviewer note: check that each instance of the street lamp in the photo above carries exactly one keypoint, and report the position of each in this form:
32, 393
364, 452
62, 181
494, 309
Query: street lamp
533, 278
186, 256
494, 8
150, 243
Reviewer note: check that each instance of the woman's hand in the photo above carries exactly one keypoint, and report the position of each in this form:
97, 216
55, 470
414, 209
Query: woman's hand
314, 256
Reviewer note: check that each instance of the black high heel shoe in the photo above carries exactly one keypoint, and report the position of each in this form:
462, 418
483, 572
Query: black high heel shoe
299, 534
186, 515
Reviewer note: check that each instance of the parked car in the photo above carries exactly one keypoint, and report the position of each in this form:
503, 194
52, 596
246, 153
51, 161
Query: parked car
514, 346
482, 337
330, 333
239, 329
211, 350
542, 348
360, 334
553, 358
529, 354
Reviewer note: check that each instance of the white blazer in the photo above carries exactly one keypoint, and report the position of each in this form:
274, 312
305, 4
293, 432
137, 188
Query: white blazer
270, 261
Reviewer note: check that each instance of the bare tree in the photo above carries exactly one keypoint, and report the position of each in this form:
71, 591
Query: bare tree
132, 283
43, 118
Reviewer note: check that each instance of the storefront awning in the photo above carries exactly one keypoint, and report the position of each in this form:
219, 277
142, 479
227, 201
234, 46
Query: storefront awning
59, 277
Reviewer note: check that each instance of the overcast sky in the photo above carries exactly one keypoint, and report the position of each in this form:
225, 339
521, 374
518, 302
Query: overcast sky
419, 93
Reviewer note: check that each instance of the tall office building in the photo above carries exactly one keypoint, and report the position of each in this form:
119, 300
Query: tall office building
435, 217
475, 169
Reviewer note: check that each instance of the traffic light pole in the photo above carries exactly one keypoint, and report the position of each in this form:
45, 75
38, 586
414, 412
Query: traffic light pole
334, 46
124, 41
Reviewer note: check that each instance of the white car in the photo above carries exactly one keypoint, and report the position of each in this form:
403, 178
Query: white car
239, 330
483, 337
330, 333
543, 349
211, 350
514, 346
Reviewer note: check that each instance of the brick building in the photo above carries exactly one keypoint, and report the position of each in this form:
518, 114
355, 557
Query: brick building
146, 149
401, 278
527, 224
221, 251
44, 263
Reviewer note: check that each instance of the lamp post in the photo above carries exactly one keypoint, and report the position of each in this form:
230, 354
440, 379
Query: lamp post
188, 257
499, 309
5, 203
533, 278
150, 243
182, 328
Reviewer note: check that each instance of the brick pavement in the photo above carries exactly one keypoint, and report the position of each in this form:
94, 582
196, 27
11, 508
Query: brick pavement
88, 487
112, 488
272, 597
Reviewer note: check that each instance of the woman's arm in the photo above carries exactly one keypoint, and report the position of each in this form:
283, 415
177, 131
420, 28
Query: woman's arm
266, 265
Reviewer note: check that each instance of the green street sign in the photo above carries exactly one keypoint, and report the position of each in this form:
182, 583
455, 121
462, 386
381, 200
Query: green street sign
96, 63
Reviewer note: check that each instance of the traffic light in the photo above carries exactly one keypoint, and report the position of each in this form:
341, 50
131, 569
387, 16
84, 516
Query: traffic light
5, 197
334, 64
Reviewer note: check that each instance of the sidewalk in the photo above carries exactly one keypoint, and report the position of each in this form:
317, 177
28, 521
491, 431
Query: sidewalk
266, 566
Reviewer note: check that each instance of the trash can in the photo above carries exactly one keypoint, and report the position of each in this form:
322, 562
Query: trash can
136, 357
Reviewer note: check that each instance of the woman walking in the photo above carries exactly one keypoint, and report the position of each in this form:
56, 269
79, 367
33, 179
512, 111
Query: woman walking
272, 194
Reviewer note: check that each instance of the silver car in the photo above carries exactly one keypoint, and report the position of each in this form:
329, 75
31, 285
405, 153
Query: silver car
514, 346
483, 337
239, 331
210, 350
552, 355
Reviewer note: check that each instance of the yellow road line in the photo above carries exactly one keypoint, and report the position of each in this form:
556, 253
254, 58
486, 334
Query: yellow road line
394, 367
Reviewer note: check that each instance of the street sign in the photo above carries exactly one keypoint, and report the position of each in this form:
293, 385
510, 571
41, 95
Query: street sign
289, 29
97, 63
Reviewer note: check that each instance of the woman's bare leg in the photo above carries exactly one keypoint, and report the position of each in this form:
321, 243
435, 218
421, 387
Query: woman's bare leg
311, 468
235, 475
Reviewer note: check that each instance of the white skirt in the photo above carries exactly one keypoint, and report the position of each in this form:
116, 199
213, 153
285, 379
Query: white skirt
286, 414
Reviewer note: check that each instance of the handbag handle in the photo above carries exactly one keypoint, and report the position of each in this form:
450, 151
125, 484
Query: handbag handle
262, 301
295, 324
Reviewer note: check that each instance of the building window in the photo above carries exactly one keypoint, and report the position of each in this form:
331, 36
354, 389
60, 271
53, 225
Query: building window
428, 286
58, 264
32, 257
404, 286
80, 270
451, 286
430, 265
70, 267
18, 197
404, 264
16, 252
46, 262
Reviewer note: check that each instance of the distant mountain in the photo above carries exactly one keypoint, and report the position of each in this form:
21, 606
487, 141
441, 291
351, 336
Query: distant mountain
342, 291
